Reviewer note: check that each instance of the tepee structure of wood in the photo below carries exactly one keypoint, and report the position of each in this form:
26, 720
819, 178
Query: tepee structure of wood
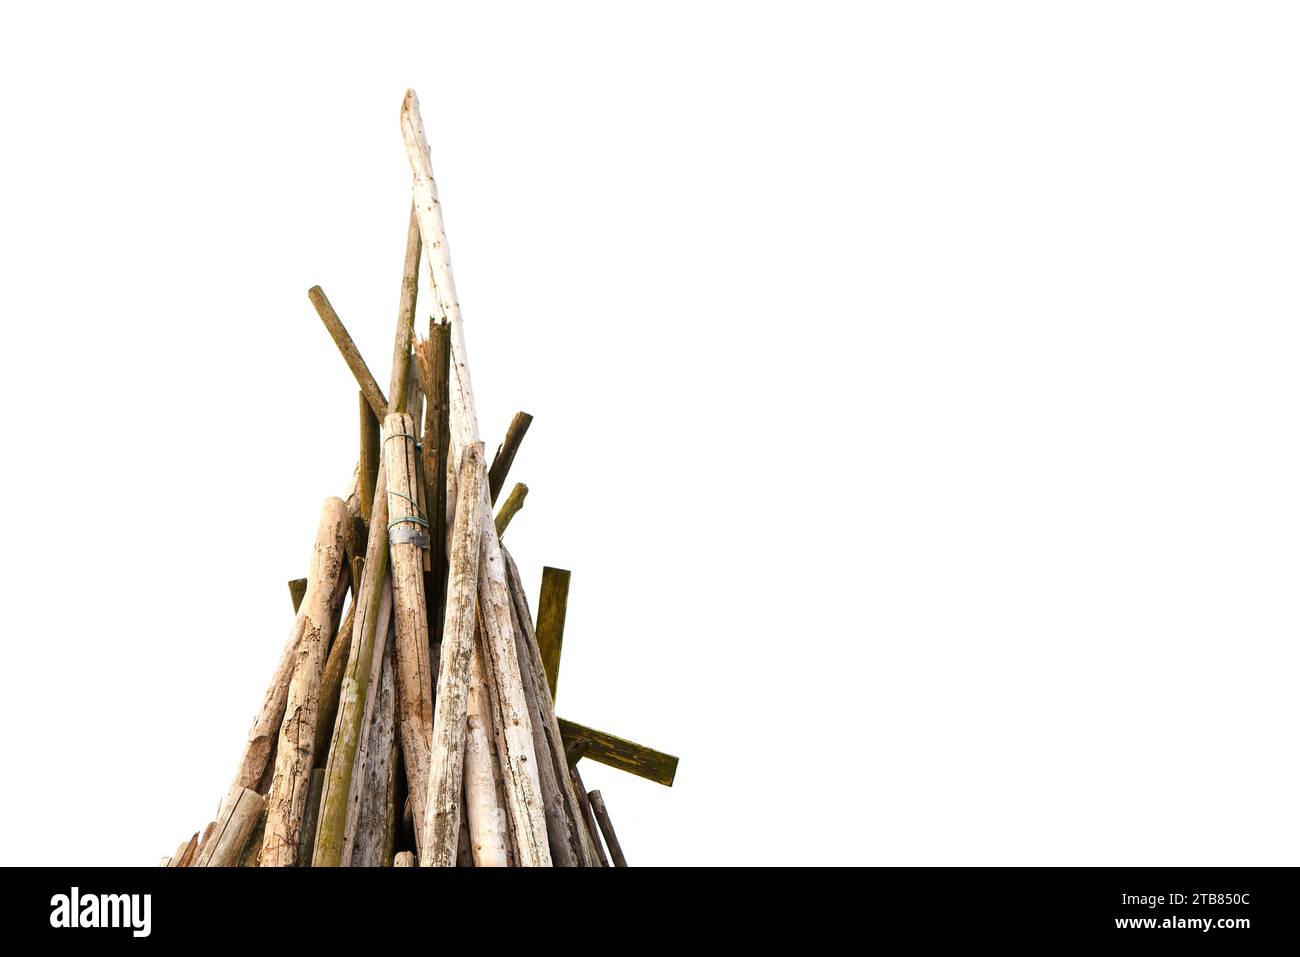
410, 720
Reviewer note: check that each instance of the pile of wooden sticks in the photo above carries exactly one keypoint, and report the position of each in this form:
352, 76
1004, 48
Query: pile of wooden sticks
419, 726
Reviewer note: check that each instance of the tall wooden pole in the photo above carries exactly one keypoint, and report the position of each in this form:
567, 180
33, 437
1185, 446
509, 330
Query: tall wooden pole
442, 804
294, 755
501, 665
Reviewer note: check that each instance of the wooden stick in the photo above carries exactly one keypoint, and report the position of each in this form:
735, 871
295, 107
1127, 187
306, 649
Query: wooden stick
252, 856
375, 781
588, 818
562, 839
404, 859
607, 828
563, 805
434, 355
368, 471
405, 317
622, 754
552, 606
485, 812
437, 261
294, 755
312, 817
185, 853
510, 714
406, 556
500, 664
332, 680
255, 761
441, 807
506, 452
297, 588
233, 827
510, 508
351, 355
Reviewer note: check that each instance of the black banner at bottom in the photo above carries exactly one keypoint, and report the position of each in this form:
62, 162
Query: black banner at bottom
655, 908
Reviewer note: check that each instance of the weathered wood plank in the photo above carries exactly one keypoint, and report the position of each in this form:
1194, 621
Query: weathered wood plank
552, 606
620, 753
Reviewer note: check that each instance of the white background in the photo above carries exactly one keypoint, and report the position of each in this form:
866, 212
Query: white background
915, 387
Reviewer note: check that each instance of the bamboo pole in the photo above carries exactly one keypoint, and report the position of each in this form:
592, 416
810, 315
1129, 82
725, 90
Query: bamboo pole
407, 542
441, 807
500, 665
233, 827
510, 507
549, 742
552, 606
294, 755
607, 828
506, 452
351, 354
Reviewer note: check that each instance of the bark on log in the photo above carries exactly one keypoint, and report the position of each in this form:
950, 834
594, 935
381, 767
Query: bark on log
552, 606
548, 742
351, 354
232, 830
510, 507
406, 556
607, 828
485, 812
293, 763
441, 808
506, 452
620, 753
255, 761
